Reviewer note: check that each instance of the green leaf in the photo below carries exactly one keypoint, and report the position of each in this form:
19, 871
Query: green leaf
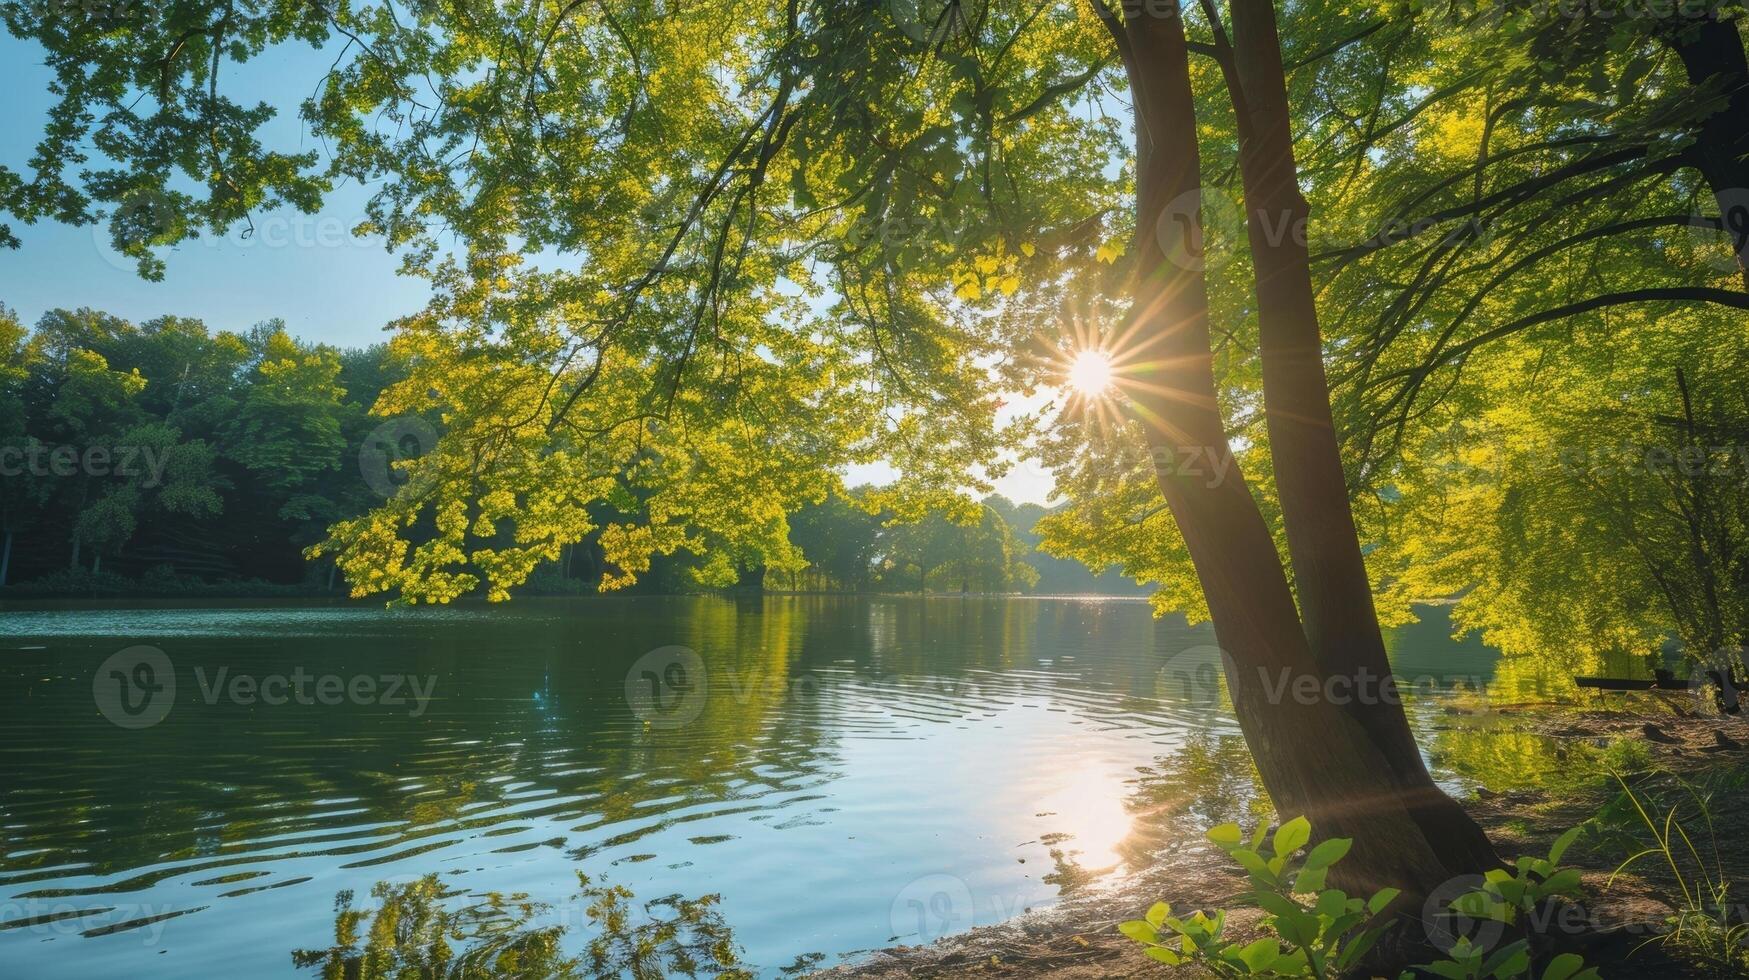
1138, 930
1382, 898
1508, 961
1157, 914
1564, 966
1297, 927
1562, 882
1276, 905
1329, 852
1356, 948
1292, 836
1260, 955
1259, 835
1226, 835
1513, 892
1169, 957
1255, 866
1340, 925
1332, 903
1562, 843
1477, 905
1291, 964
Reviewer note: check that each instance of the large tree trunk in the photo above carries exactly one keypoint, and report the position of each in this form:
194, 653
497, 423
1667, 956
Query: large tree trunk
1329, 573
1315, 758
1712, 51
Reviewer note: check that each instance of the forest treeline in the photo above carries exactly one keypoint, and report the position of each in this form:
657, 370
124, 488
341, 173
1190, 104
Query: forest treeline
168, 458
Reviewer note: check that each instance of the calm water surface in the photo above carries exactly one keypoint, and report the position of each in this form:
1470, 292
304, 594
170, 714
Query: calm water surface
846, 773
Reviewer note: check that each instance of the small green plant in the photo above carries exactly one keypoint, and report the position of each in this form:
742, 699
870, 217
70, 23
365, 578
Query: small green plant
1467, 961
1321, 932
1317, 931
1509, 894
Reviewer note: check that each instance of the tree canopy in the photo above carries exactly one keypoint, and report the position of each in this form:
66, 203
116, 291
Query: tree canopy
692, 260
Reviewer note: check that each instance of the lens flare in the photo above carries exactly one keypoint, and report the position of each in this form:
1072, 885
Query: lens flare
1090, 373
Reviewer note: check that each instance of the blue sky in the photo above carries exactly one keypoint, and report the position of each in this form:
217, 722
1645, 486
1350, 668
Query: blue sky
305, 269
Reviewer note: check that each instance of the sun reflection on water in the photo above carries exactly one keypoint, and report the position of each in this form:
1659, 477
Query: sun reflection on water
1090, 806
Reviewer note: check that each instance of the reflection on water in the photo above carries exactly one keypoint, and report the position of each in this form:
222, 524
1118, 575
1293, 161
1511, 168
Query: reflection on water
845, 773
418, 930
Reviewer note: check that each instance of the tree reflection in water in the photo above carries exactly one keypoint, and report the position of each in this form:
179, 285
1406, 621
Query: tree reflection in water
416, 933
1209, 780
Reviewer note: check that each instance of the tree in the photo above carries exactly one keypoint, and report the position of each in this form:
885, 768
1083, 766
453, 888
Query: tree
1330, 576
839, 538
131, 439
21, 493
177, 478
913, 554
1612, 454
961, 553
287, 429
93, 407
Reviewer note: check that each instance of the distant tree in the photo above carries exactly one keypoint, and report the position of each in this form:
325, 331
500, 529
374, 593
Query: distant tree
130, 440
21, 492
839, 538
92, 408
950, 555
1059, 575
287, 430
168, 475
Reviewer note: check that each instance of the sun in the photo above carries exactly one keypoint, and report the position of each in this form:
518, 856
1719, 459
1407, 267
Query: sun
1090, 373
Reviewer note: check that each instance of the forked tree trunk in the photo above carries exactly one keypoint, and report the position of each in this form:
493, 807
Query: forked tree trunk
1329, 573
1315, 758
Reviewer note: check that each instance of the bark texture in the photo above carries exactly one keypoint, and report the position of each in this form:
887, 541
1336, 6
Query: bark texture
1316, 758
1329, 571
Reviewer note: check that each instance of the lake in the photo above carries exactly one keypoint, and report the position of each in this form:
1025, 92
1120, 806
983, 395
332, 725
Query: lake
186, 791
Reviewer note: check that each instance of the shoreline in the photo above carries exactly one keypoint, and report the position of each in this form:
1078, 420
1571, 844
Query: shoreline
1077, 939
75, 603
